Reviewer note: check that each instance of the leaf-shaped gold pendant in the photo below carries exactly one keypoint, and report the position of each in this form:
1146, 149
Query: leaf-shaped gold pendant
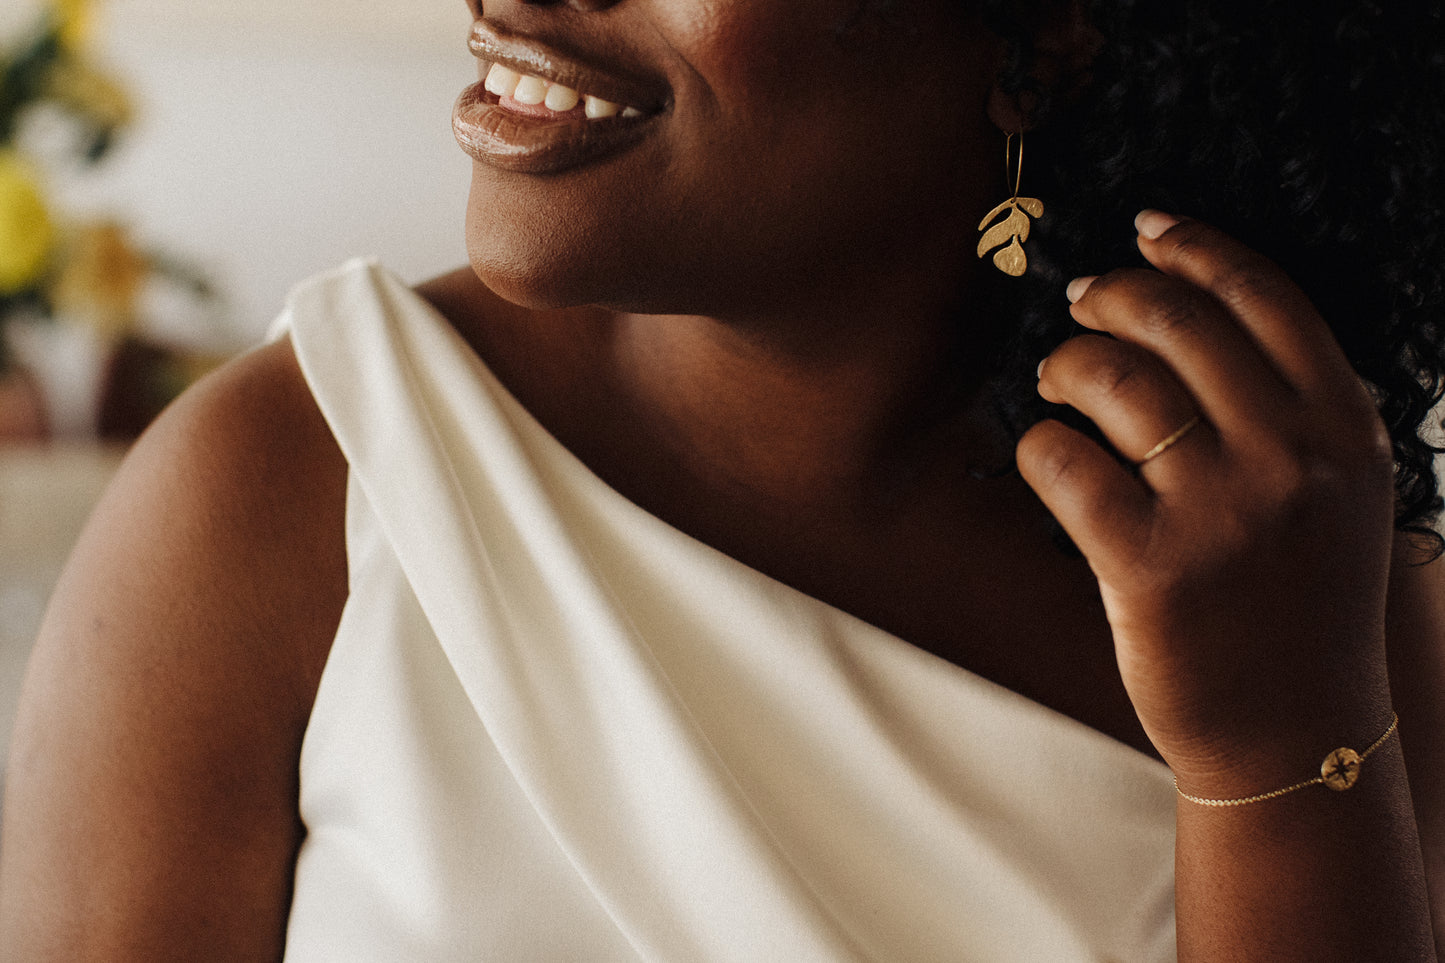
1012, 230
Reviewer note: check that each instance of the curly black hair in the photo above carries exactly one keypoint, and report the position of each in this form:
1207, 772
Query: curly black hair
1316, 136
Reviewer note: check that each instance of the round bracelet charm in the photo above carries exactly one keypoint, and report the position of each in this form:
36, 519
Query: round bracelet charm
1341, 769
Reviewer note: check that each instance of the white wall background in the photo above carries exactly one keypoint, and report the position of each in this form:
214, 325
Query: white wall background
275, 138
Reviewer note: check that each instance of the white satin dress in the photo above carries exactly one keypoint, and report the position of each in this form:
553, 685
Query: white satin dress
554, 728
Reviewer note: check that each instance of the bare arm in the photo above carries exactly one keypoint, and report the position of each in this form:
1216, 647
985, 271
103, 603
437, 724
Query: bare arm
1415, 635
1244, 571
150, 809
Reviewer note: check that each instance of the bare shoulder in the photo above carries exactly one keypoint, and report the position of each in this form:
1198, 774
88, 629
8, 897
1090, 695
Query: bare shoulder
150, 808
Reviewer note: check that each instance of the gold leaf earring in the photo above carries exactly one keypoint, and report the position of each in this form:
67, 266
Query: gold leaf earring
1015, 227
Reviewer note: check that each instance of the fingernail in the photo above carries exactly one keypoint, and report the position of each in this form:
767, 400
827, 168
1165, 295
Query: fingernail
1150, 223
1039, 373
1078, 286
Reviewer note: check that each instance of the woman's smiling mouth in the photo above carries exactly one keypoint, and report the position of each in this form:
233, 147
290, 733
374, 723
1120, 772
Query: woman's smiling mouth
539, 111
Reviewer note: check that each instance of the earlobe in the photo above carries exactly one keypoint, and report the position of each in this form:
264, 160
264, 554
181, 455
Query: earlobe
1061, 56
1013, 113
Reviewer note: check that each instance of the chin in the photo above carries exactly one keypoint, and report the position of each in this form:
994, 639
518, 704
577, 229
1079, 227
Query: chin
523, 269
540, 255
558, 268
546, 283
520, 287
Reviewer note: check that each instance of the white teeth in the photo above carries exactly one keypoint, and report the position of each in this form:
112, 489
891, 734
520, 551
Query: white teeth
530, 91
597, 108
502, 80
561, 98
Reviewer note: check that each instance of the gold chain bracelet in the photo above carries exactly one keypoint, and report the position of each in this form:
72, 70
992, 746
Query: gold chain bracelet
1339, 771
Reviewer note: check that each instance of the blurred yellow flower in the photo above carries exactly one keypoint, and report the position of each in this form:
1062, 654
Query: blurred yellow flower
74, 18
101, 279
26, 233
90, 91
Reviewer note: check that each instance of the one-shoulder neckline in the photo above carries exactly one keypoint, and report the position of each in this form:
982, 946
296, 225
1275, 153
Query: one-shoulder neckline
564, 459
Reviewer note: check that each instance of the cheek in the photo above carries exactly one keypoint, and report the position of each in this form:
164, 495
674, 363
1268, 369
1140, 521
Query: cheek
742, 54
828, 89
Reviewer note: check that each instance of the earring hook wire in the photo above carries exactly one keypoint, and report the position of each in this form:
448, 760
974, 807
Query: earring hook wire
1008, 165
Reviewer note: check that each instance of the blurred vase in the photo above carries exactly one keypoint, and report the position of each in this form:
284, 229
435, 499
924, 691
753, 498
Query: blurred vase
68, 364
22, 408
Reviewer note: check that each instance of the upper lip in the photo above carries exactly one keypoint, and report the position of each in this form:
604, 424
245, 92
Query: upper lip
617, 83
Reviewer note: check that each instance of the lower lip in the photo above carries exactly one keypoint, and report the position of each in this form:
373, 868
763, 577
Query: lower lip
512, 141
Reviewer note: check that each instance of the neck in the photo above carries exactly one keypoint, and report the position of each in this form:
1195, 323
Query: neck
812, 412
844, 405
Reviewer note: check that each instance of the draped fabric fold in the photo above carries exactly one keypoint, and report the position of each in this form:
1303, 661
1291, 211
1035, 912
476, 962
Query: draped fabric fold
553, 727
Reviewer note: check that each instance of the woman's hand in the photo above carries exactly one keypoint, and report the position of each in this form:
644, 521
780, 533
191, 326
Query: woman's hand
1243, 566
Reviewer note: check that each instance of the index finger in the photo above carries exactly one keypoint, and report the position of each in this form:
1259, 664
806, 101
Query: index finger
1271, 308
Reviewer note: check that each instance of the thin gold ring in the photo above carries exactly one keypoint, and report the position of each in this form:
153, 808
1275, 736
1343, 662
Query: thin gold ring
1173, 439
